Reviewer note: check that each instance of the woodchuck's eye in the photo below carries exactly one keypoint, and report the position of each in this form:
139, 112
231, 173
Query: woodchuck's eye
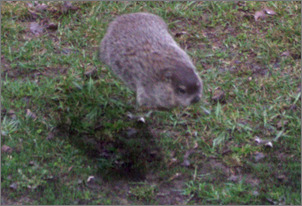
181, 90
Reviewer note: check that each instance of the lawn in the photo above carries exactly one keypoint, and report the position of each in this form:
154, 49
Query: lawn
69, 129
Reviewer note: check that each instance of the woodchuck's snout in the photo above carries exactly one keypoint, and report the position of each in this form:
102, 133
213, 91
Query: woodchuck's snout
195, 99
142, 53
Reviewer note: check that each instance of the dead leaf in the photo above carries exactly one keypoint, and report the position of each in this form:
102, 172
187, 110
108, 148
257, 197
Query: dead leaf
258, 140
35, 28
219, 95
286, 53
259, 15
31, 163
30, 114
14, 186
266, 143
269, 11
178, 34
90, 179
262, 14
269, 144
205, 110
6, 149
141, 120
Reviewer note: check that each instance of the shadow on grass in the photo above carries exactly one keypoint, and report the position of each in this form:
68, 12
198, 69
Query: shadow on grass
130, 154
97, 124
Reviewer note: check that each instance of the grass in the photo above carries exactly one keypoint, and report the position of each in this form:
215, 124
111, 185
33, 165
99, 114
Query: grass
64, 114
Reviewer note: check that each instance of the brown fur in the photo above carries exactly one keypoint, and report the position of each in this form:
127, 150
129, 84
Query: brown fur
141, 52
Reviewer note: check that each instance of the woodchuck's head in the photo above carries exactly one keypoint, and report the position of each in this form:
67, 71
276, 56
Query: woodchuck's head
176, 85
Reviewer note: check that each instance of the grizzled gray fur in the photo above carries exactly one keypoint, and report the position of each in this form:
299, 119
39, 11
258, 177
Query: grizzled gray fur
141, 52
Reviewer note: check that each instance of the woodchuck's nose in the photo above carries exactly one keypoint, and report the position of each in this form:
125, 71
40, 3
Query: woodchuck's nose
195, 99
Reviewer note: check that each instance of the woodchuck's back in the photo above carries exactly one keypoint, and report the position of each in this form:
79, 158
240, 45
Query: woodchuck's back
133, 30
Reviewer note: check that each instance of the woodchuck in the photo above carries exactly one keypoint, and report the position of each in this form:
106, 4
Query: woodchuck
142, 53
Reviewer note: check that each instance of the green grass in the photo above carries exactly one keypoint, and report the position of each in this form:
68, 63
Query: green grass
65, 125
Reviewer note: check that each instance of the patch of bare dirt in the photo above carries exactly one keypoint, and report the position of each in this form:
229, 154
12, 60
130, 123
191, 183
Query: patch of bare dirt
214, 166
214, 170
19, 73
24, 200
168, 193
183, 33
171, 193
